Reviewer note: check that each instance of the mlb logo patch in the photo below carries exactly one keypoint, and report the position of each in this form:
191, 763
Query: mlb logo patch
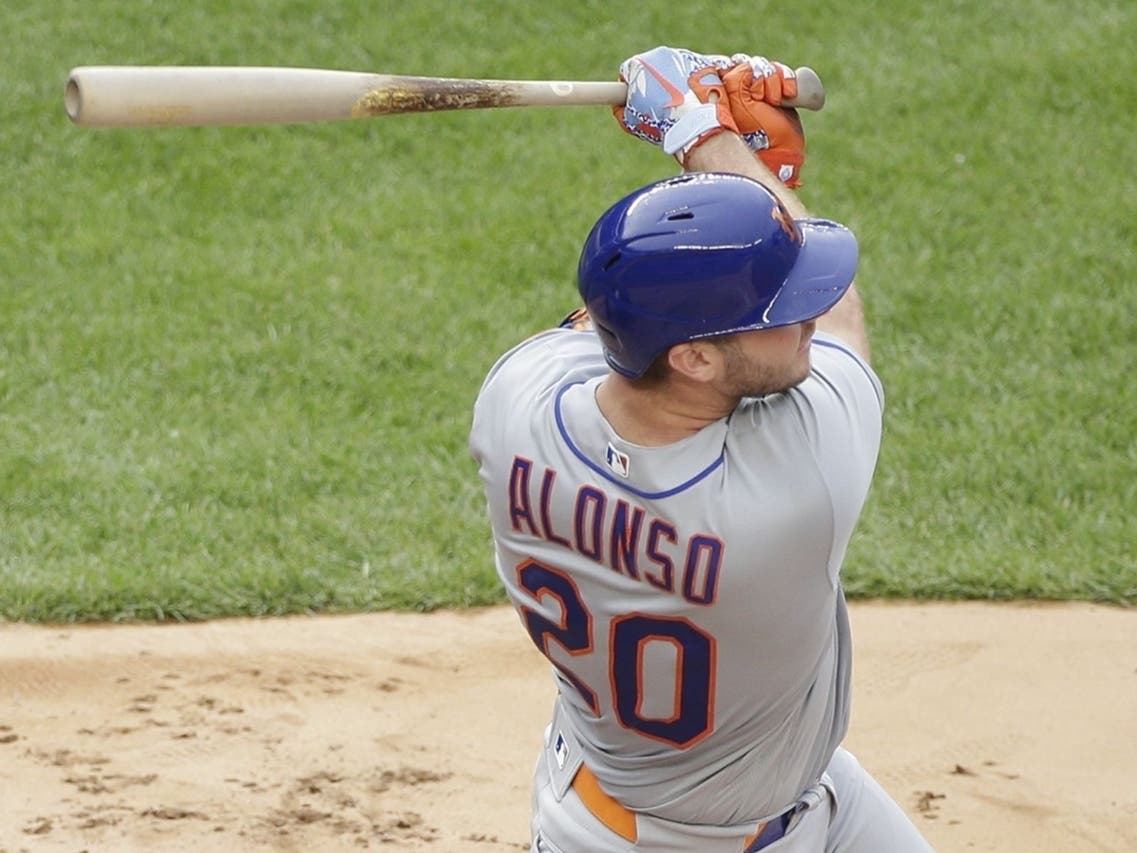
617, 461
560, 751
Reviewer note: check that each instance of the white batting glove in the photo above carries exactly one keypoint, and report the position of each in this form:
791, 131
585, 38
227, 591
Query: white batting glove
676, 99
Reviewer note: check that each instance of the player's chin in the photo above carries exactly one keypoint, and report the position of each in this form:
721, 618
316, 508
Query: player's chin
790, 378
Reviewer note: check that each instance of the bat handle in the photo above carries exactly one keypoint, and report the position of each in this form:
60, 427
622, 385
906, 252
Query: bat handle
810, 91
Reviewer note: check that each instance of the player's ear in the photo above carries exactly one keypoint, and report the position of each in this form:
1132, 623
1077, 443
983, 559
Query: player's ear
700, 361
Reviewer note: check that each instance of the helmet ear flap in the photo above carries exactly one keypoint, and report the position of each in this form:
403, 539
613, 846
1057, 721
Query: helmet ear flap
613, 353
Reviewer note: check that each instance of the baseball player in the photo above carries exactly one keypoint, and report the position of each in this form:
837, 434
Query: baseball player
673, 476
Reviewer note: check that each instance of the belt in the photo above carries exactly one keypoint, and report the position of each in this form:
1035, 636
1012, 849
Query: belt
768, 832
604, 808
622, 820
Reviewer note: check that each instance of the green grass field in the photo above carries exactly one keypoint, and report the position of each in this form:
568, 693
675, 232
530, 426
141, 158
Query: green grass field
237, 364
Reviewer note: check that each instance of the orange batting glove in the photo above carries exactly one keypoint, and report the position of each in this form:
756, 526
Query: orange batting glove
755, 88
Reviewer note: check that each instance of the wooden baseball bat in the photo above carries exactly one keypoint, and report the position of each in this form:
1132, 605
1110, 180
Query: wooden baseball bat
139, 96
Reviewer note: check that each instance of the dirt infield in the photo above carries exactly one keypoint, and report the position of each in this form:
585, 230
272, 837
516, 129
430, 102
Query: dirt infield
998, 727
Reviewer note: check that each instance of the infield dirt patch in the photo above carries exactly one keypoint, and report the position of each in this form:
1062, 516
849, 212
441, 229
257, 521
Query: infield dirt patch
997, 727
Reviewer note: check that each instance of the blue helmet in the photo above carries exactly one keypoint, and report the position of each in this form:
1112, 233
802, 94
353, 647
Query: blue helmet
704, 254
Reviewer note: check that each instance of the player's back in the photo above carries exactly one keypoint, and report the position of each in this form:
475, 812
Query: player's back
687, 595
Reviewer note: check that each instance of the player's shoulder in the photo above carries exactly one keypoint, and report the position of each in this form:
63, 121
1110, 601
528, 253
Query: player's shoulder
837, 368
842, 393
546, 360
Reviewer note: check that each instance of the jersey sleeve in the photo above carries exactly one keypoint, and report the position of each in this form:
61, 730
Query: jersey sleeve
527, 374
841, 407
550, 358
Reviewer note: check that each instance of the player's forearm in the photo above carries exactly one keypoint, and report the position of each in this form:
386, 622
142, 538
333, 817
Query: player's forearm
726, 152
846, 320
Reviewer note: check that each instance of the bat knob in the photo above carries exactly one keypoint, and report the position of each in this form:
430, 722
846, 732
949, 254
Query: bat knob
810, 90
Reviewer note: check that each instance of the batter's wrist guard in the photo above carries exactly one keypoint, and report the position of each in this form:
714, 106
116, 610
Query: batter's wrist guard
693, 128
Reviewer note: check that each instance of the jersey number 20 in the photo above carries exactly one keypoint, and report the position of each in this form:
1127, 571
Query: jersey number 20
692, 716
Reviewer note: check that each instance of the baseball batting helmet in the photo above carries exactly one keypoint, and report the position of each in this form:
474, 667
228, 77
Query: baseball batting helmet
705, 254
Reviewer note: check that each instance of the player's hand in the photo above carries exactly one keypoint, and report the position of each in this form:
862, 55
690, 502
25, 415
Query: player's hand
755, 88
676, 99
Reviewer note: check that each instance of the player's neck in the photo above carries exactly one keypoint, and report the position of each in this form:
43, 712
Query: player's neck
661, 414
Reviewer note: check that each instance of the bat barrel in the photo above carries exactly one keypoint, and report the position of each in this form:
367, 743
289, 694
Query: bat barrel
130, 96
73, 99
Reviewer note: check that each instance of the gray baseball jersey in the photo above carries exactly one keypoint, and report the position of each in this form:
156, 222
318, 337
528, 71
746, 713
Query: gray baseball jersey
687, 595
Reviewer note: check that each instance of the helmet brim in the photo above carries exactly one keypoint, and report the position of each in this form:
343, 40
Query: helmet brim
823, 271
